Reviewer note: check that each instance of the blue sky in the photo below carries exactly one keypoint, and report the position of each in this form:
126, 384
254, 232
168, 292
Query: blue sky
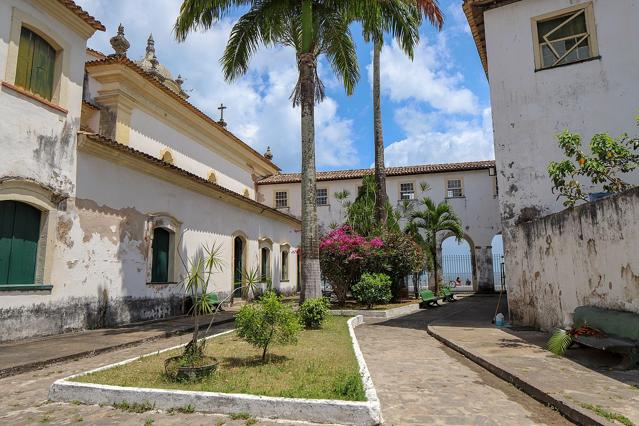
435, 108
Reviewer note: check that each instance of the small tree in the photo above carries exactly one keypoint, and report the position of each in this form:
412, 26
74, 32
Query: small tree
372, 289
267, 322
610, 156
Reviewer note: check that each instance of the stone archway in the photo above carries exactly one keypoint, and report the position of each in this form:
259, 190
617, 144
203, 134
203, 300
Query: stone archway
463, 265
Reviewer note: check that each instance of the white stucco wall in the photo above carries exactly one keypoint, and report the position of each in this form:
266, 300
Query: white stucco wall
100, 256
478, 209
39, 141
581, 256
529, 108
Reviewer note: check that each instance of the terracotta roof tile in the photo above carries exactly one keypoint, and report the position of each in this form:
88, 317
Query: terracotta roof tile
96, 53
157, 162
94, 23
123, 60
390, 171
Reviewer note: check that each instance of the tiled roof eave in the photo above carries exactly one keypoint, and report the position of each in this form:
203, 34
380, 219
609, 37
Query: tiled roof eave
390, 171
112, 144
82, 14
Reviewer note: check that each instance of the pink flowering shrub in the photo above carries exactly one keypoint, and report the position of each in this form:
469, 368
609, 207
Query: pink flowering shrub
344, 256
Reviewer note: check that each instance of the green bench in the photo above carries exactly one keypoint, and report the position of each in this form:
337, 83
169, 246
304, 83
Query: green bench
429, 298
620, 329
448, 295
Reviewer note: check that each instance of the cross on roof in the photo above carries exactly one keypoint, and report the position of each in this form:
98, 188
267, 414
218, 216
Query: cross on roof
221, 108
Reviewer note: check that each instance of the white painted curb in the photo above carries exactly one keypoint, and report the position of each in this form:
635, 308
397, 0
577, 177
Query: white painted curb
311, 410
369, 313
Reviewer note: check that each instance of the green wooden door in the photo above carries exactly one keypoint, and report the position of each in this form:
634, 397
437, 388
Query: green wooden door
160, 263
19, 235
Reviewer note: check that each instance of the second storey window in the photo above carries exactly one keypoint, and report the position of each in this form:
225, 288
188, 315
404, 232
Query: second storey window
565, 36
322, 197
281, 199
36, 64
406, 191
454, 188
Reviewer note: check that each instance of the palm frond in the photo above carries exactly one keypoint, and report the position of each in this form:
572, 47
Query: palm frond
559, 342
202, 14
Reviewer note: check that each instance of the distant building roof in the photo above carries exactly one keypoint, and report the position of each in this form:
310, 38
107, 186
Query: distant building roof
94, 23
474, 10
390, 171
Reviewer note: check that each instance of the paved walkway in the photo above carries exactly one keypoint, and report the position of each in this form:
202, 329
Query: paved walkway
422, 382
34, 353
575, 385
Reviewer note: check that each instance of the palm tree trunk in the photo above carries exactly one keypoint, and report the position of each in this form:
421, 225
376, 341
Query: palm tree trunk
310, 232
381, 215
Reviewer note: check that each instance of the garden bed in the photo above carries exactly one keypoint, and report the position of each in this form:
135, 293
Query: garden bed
322, 379
389, 310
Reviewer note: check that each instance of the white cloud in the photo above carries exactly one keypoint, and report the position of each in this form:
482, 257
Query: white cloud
433, 138
426, 78
259, 110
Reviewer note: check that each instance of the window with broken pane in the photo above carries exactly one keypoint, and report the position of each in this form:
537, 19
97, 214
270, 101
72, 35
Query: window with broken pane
564, 39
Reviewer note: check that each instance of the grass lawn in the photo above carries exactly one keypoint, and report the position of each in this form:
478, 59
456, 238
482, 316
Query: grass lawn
351, 304
321, 366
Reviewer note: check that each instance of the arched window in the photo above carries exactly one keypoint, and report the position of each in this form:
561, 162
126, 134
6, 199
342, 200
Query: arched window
19, 237
284, 268
265, 263
36, 64
161, 255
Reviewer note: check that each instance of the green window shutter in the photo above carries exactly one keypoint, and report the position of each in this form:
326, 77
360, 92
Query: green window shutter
160, 261
7, 215
25, 59
19, 235
43, 67
36, 64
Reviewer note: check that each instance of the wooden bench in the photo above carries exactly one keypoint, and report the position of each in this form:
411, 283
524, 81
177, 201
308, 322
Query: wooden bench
429, 298
620, 329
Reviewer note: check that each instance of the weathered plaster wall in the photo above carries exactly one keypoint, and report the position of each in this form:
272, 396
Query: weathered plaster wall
581, 256
478, 209
38, 142
151, 136
100, 260
529, 108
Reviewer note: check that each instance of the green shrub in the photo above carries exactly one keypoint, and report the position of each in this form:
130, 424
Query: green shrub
313, 312
372, 289
267, 322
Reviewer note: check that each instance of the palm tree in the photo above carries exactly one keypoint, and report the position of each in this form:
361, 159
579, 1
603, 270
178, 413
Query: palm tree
312, 28
375, 22
432, 220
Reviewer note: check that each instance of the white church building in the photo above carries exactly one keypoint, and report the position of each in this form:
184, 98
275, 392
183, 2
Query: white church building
111, 179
